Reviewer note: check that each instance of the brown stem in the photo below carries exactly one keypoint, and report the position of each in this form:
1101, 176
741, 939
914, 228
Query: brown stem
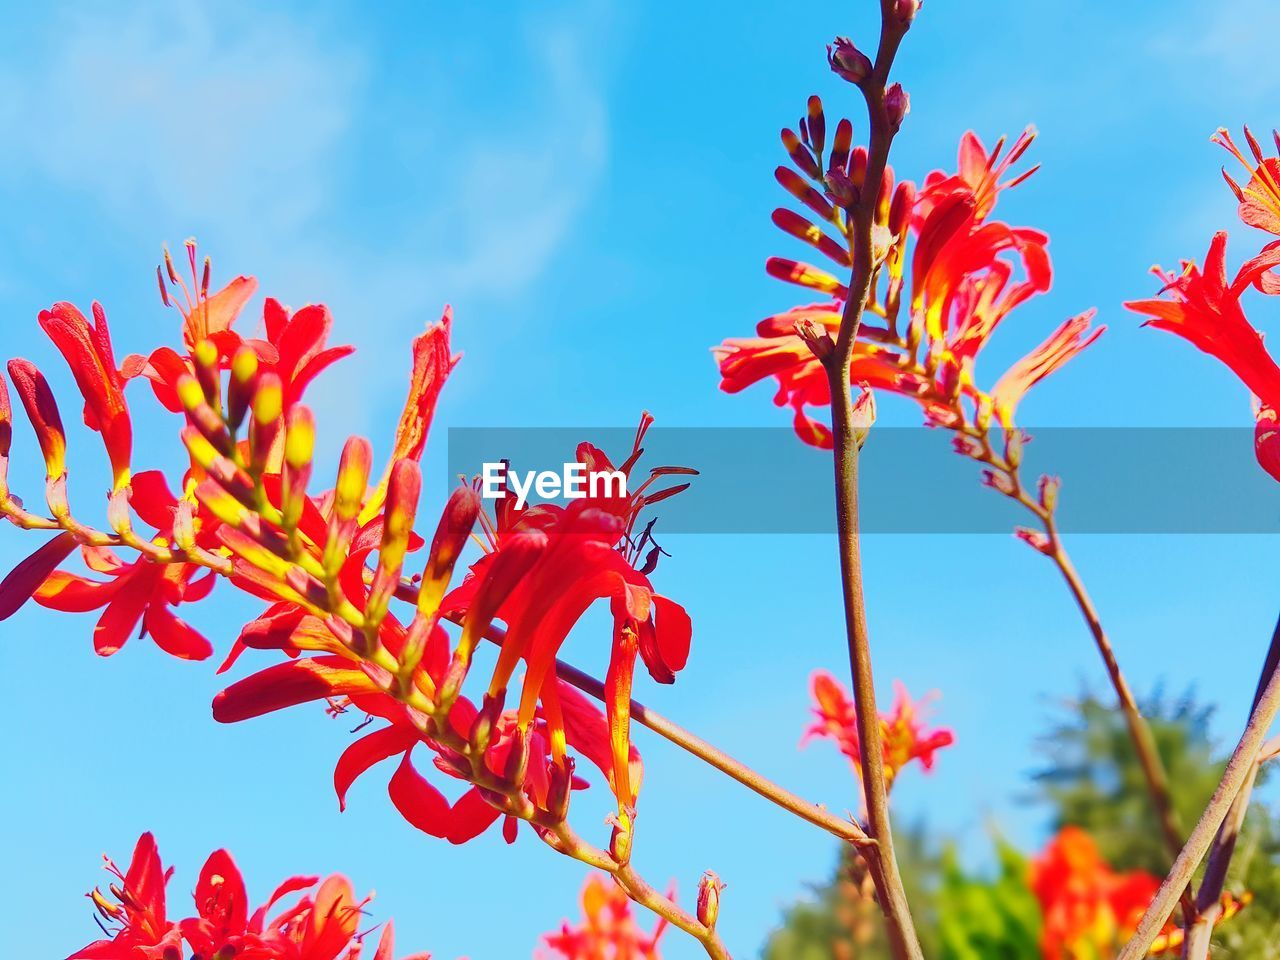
1209, 898
892, 897
1239, 769
1153, 769
846, 830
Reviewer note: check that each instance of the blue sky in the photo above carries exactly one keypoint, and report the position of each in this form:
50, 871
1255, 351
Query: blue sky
589, 185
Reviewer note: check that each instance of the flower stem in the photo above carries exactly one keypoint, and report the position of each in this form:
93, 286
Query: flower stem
1240, 769
1153, 769
691, 743
1208, 900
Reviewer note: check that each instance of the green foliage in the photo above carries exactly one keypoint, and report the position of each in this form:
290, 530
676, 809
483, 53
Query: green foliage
981, 919
1091, 780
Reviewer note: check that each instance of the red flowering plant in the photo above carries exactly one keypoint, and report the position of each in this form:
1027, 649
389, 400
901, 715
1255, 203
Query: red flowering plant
372, 604
1205, 305
326, 922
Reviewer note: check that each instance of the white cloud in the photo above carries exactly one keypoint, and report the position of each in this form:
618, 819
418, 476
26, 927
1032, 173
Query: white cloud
174, 112
259, 130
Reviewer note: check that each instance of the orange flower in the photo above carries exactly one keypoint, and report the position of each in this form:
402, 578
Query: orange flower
904, 737
608, 930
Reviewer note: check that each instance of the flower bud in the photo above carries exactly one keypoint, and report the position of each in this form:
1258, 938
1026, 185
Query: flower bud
451, 536
864, 416
897, 104
264, 428
1049, 487
299, 448
403, 490
906, 10
841, 189
559, 788
42, 410
1013, 448
243, 384
353, 478
207, 372
816, 125
800, 155
1035, 539
904, 201
847, 61
709, 888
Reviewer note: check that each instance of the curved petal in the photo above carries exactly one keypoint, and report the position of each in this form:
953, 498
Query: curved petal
288, 684
418, 801
75, 594
367, 751
174, 636
23, 580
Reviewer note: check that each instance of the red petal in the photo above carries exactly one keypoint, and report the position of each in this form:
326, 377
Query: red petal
22, 581
121, 617
367, 751
174, 636
220, 894
470, 817
152, 500
289, 684
418, 801
74, 594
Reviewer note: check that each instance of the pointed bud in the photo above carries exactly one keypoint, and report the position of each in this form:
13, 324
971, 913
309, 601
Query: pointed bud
816, 125
1049, 487
486, 720
559, 788
451, 536
517, 764
904, 201
841, 145
1035, 539
202, 416
847, 61
299, 448
353, 478
244, 382
403, 491
897, 104
1013, 442
800, 155
709, 888
208, 373
842, 191
265, 426
42, 410
816, 338
864, 416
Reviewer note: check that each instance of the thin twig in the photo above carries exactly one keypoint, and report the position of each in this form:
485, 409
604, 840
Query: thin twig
1209, 898
1239, 769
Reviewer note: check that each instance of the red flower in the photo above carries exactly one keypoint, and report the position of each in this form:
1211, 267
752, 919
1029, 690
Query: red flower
141, 592
576, 556
295, 349
88, 352
1089, 909
1203, 308
608, 930
143, 931
904, 737
321, 925
962, 286
1260, 196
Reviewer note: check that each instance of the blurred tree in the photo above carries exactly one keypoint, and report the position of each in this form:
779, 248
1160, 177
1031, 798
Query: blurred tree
1091, 780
